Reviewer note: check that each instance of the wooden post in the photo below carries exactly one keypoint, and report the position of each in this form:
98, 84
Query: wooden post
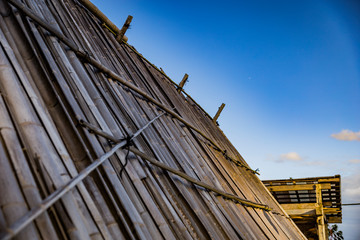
125, 27
182, 83
320, 219
218, 112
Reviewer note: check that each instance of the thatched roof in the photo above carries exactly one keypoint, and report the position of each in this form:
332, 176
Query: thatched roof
72, 97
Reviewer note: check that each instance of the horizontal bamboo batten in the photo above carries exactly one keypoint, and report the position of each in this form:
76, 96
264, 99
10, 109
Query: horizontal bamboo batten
71, 96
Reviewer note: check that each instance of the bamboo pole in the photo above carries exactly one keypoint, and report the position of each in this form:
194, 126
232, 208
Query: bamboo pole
125, 27
12, 202
119, 33
21, 167
201, 184
218, 112
182, 83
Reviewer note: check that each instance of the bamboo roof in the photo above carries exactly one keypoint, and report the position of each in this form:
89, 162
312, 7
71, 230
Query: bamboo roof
97, 143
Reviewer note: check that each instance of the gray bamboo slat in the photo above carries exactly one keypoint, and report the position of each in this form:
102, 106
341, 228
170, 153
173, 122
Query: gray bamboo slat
134, 116
75, 148
128, 167
20, 165
163, 226
109, 220
61, 150
127, 202
60, 192
12, 202
35, 135
179, 229
101, 106
70, 98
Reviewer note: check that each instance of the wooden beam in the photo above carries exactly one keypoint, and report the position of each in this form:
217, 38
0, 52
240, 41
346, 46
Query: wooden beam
321, 226
297, 187
182, 83
331, 210
329, 180
298, 209
121, 33
218, 112
334, 219
292, 206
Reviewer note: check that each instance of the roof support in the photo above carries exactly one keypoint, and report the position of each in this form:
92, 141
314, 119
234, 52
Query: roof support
182, 83
218, 112
123, 30
320, 220
297, 187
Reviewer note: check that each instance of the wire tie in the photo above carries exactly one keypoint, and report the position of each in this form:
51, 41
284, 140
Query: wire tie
127, 146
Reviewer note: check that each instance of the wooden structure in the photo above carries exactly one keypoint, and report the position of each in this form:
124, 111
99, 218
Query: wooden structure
96, 142
218, 113
311, 202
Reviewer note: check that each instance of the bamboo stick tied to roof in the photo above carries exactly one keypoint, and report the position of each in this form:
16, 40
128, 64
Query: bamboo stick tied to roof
182, 83
218, 112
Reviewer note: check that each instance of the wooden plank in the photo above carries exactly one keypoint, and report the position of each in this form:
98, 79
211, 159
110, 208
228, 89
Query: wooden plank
297, 187
300, 209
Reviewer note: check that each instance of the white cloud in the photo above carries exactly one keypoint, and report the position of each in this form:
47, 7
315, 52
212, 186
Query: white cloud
347, 135
291, 156
354, 161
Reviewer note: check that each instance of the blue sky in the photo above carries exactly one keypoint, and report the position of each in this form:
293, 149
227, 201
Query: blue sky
288, 72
